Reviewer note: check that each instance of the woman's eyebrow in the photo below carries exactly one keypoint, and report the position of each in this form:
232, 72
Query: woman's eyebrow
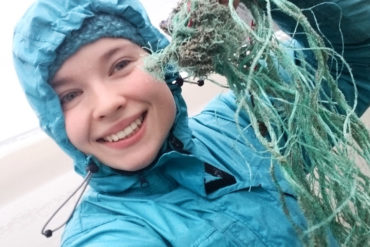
104, 57
107, 55
58, 83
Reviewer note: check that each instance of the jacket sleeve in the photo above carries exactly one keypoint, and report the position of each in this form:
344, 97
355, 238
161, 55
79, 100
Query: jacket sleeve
345, 26
114, 233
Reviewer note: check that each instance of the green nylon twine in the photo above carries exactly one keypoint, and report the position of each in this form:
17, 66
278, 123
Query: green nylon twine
295, 107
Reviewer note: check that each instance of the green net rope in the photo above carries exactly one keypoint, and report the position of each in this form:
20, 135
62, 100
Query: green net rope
297, 111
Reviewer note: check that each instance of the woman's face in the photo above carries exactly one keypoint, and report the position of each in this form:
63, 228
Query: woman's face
113, 109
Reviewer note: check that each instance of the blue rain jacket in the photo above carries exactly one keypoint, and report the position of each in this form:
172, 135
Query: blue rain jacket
209, 186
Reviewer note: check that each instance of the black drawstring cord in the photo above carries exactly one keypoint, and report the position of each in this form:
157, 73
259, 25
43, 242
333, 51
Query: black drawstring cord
91, 168
199, 82
179, 81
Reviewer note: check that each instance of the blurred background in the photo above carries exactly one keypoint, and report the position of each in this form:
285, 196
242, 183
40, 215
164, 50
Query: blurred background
36, 177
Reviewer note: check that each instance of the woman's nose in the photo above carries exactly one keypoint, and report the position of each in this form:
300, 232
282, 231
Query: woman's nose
107, 103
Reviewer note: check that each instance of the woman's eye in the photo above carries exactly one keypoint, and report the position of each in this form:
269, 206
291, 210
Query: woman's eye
68, 97
120, 65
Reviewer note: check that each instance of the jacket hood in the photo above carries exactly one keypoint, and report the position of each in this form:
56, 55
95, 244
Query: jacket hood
37, 36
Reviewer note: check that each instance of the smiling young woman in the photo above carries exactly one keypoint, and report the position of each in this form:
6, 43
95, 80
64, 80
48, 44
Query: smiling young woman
112, 107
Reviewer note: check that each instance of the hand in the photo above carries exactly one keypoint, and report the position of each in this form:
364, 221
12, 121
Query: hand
226, 2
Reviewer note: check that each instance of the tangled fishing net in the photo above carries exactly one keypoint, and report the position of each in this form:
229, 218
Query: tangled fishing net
295, 107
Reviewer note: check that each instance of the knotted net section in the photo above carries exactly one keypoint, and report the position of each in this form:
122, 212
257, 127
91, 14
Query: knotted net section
295, 107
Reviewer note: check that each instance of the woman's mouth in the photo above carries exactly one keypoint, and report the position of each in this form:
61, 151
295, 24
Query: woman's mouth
127, 132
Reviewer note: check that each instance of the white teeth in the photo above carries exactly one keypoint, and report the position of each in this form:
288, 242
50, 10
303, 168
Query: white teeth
125, 132
115, 138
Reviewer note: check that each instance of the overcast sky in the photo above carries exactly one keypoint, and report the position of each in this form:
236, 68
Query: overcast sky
16, 115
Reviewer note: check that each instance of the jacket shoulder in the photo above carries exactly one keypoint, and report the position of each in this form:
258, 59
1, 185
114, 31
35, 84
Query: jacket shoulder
225, 106
93, 226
